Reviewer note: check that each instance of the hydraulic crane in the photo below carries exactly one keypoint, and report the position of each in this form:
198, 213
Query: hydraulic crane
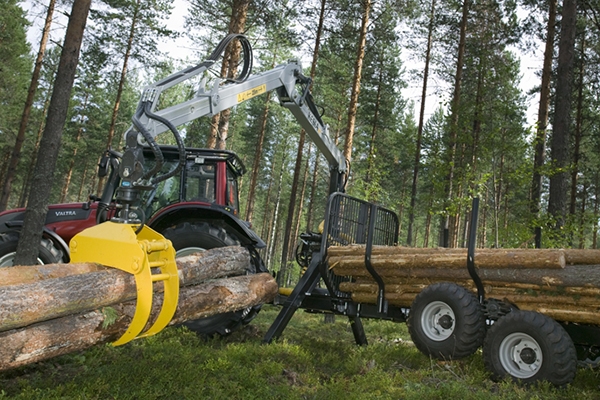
135, 247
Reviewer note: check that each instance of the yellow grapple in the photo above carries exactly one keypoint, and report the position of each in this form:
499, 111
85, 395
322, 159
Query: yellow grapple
143, 254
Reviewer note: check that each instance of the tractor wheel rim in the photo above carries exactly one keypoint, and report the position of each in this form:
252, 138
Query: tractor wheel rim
188, 250
438, 321
8, 259
520, 355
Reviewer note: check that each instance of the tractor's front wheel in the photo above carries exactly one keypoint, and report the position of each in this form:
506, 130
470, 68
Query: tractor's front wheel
48, 253
193, 237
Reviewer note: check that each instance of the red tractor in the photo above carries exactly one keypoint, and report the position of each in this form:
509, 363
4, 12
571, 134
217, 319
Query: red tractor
197, 209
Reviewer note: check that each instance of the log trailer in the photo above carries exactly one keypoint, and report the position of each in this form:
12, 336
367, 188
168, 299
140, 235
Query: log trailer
189, 196
451, 311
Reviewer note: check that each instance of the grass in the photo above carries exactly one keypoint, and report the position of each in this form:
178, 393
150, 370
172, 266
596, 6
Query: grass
312, 360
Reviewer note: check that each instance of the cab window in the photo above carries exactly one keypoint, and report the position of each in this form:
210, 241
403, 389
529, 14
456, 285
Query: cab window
165, 193
232, 191
200, 182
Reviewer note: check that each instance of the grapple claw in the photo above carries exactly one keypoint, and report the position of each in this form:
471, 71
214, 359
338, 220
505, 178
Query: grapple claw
116, 245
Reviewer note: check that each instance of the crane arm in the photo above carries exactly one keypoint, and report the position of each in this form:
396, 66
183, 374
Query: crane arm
288, 80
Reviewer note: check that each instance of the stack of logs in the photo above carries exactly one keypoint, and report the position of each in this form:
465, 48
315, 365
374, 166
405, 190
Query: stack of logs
563, 284
50, 310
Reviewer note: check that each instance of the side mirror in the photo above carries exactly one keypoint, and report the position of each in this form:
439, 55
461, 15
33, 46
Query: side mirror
103, 165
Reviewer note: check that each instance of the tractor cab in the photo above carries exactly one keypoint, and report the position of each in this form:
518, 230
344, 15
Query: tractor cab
209, 177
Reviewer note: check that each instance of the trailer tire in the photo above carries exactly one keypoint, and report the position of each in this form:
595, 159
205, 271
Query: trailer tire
527, 346
446, 321
197, 236
48, 253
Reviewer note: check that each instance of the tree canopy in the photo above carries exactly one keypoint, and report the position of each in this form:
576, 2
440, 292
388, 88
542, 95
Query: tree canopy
474, 139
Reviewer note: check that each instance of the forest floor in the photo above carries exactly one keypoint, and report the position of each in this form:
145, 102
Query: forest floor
312, 360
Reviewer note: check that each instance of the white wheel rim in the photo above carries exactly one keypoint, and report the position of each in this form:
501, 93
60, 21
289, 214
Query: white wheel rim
520, 355
188, 250
8, 259
438, 321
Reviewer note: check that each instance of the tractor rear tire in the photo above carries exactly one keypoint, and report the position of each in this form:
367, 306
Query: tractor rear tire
528, 347
197, 236
446, 321
48, 253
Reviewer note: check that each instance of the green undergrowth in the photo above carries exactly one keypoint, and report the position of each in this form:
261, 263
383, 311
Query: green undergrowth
312, 360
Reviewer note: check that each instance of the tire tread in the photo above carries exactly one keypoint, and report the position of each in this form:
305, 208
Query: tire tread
467, 338
562, 357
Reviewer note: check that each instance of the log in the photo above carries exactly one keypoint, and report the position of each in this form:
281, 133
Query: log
516, 296
546, 259
373, 288
21, 274
582, 256
396, 299
356, 249
495, 289
571, 313
73, 292
571, 275
572, 256
76, 332
557, 283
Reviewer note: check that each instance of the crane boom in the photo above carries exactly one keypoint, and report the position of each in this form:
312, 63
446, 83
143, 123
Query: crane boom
289, 82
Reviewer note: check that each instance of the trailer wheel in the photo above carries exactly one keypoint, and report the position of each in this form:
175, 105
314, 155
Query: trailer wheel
529, 347
446, 321
193, 237
48, 253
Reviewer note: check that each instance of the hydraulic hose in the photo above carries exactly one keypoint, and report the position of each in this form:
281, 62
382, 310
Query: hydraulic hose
246, 49
180, 144
160, 159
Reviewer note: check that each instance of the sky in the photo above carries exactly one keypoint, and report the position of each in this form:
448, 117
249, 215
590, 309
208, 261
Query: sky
181, 49
530, 63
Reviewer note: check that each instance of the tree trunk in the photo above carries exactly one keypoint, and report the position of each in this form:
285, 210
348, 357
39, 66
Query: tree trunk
83, 180
257, 158
65, 189
557, 204
271, 253
360, 55
582, 218
81, 331
16, 151
313, 194
413, 192
578, 133
298, 166
596, 211
122, 78
237, 24
428, 219
50, 144
542, 121
372, 148
454, 120
299, 214
34, 153
267, 210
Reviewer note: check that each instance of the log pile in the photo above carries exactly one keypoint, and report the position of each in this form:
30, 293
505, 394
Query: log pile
563, 284
56, 309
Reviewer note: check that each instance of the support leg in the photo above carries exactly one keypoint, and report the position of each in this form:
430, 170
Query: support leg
307, 282
358, 330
